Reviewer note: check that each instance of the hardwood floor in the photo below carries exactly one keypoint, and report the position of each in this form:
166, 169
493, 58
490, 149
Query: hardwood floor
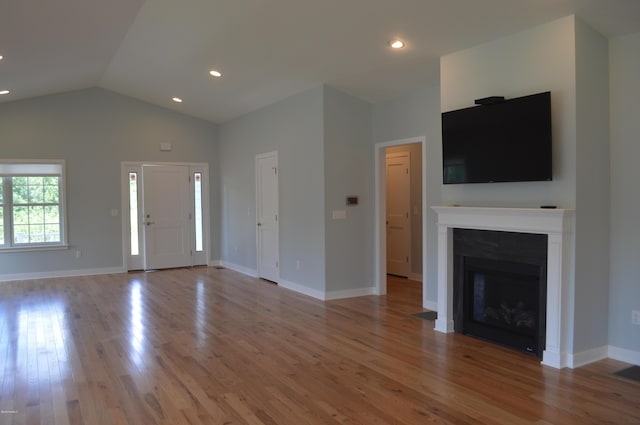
207, 346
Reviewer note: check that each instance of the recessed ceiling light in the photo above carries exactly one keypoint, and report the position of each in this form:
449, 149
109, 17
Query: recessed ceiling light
215, 73
4, 91
177, 99
396, 44
0, 57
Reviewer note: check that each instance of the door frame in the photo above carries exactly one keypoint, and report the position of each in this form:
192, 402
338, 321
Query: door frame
400, 155
380, 233
125, 168
257, 184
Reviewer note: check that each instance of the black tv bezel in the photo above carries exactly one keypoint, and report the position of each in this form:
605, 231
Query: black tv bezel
543, 148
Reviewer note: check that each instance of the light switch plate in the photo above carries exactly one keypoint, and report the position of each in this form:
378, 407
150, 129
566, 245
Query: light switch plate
339, 214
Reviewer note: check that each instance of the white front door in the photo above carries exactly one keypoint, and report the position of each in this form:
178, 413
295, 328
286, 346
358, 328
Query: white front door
398, 208
166, 221
267, 216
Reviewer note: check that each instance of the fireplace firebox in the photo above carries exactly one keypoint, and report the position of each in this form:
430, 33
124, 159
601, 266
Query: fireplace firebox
500, 287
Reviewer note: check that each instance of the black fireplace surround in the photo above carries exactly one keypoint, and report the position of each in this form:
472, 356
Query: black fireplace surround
500, 287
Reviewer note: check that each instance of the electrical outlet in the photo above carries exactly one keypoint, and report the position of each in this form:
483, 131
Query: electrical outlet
635, 317
78, 254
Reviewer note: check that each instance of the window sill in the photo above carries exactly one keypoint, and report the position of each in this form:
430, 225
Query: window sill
35, 248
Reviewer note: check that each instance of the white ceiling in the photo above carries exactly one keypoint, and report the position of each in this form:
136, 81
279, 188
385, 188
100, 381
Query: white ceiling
154, 50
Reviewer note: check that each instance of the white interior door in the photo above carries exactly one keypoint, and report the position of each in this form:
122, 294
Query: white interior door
166, 216
267, 216
398, 207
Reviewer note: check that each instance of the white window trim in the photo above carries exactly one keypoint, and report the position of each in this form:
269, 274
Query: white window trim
17, 167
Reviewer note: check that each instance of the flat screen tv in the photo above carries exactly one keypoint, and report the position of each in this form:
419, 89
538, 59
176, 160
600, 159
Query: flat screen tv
508, 141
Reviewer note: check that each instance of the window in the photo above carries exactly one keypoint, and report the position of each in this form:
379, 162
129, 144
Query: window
197, 196
1, 211
31, 204
133, 213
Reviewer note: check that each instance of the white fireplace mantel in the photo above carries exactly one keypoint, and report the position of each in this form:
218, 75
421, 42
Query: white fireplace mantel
556, 223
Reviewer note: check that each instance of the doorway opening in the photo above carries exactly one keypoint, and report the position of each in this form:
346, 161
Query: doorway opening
416, 212
399, 209
165, 215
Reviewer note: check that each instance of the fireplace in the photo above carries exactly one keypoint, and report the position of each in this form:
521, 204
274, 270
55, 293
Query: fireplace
500, 287
557, 225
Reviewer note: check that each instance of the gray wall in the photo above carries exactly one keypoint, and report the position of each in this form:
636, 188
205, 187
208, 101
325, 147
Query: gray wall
625, 195
94, 130
532, 61
294, 128
592, 190
347, 167
323, 141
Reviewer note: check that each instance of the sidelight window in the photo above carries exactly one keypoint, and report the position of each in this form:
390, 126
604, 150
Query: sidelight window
197, 179
133, 214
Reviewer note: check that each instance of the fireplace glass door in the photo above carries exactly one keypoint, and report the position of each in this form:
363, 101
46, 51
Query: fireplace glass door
502, 302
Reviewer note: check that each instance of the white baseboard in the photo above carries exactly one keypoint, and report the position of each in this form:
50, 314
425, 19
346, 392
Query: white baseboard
415, 276
325, 296
589, 356
430, 305
296, 287
235, 267
61, 273
350, 293
599, 353
624, 355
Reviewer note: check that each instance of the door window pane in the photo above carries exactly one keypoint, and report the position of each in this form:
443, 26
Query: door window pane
197, 178
133, 213
1, 210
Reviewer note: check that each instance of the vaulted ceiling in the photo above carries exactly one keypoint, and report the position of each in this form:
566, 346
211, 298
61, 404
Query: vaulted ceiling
267, 50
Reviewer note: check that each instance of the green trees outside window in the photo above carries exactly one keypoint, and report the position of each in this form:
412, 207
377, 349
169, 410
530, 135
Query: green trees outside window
36, 209
31, 204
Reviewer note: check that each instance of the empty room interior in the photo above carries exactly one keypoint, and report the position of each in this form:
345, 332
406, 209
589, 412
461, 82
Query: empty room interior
297, 212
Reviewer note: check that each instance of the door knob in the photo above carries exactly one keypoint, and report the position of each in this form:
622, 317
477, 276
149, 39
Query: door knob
259, 224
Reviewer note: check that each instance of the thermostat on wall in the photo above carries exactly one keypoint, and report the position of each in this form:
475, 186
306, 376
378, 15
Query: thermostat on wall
352, 200
165, 147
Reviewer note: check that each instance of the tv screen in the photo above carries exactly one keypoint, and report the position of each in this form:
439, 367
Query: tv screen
509, 141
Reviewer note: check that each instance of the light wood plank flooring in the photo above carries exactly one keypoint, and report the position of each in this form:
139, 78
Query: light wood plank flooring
207, 346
